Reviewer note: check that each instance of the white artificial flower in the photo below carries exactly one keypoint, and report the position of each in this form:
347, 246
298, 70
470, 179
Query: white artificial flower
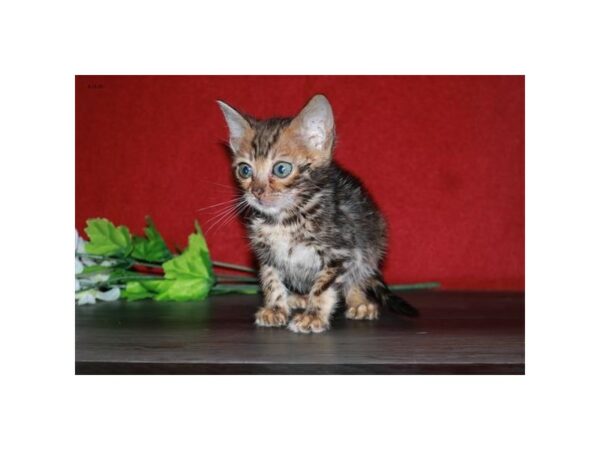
78, 264
80, 250
79, 243
85, 287
86, 299
90, 296
109, 296
108, 263
93, 279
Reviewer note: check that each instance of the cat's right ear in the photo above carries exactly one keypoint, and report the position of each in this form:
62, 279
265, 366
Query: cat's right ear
237, 124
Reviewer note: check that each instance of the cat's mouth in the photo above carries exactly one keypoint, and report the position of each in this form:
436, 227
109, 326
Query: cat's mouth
268, 202
271, 205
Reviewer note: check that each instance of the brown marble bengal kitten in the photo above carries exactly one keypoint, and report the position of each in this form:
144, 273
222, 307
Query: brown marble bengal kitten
316, 232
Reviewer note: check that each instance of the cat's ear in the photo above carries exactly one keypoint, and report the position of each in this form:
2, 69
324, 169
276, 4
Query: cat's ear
237, 124
315, 126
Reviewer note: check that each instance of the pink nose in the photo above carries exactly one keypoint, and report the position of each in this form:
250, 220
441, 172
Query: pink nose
258, 191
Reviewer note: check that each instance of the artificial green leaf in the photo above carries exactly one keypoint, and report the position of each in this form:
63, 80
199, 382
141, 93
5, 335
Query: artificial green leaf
137, 290
162, 290
183, 290
106, 239
193, 264
152, 248
188, 276
203, 246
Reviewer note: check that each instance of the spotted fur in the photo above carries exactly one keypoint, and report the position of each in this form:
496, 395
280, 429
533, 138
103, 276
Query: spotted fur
316, 232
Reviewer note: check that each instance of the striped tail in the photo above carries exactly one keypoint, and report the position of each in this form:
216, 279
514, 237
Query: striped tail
381, 293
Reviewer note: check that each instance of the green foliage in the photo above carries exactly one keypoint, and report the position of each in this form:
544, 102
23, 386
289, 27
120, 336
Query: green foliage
165, 290
108, 240
193, 263
202, 246
188, 276
183, 290
152, 248
138, 290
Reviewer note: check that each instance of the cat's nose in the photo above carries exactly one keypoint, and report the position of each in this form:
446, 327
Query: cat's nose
258, 191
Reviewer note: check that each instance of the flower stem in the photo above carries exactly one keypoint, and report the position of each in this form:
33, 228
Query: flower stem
233, 266
414, 286
90, 256
131, 261
97, 271
234, 289
235, 279
136, 278
135, 262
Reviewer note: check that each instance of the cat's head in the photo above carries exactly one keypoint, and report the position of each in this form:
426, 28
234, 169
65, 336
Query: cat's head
273, 159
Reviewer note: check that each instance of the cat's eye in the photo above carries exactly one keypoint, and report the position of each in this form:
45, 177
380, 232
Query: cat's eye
282, 169
244, 170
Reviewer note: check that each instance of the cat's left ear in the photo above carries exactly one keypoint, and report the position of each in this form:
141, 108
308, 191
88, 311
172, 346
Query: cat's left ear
237, 124
315, 126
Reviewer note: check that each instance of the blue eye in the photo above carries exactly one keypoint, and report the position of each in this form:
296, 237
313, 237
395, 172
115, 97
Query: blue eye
244, 170
282, 169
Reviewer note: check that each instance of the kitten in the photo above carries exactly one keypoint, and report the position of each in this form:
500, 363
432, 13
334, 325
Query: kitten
316, 232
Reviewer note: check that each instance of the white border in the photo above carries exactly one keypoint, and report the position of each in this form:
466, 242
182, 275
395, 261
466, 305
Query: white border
46, 43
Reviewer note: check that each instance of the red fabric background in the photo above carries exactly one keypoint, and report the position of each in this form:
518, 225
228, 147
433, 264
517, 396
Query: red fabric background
443, 156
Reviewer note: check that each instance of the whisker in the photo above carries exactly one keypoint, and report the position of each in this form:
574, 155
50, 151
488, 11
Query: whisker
226, 218
212, 214
221, 213
222, 219
225, 209
218, 184
224, 191
227, 221
221, 203
238, 213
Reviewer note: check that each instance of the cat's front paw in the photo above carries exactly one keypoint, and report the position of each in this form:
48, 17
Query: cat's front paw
271, 316
308, 322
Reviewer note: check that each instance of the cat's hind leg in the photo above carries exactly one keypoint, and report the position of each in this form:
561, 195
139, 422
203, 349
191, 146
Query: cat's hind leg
359, 307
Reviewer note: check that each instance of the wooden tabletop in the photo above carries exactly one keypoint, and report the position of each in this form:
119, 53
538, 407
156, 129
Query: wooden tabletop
457, 333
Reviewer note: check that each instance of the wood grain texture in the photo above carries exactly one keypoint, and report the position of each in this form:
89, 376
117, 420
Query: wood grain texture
457, 333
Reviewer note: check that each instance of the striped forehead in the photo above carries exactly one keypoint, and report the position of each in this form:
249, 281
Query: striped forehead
266, 134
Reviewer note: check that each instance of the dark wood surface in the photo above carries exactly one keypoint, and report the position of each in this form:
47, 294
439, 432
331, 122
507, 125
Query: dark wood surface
457, 333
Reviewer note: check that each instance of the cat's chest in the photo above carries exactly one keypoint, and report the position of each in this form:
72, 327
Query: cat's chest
287, 249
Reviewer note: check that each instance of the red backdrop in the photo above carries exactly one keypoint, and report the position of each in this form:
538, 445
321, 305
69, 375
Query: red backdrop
443, 156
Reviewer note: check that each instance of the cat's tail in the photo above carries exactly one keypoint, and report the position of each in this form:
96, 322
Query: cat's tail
381, 293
